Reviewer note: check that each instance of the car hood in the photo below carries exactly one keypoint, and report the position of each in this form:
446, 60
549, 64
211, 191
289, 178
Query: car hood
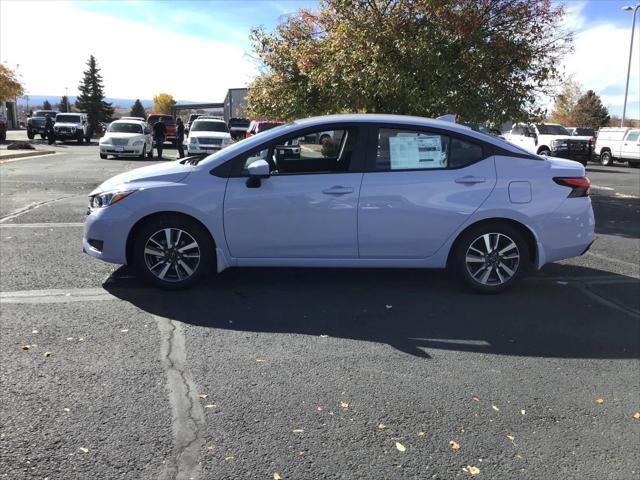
209, 134
171, 172
121, 135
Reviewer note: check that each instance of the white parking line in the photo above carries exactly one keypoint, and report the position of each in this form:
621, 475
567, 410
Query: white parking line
598, 187
33, 206
57, 296
41, 225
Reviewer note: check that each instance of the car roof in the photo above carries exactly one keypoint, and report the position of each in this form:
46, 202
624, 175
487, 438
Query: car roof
200, 119
125, 120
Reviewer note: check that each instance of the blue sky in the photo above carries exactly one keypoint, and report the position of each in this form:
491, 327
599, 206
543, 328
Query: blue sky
198, 49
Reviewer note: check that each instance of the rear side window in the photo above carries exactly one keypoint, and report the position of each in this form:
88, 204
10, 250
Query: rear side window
418, 150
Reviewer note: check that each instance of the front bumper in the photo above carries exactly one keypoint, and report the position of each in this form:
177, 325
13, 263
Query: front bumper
202, 149
111, 226
107, 149
68, 135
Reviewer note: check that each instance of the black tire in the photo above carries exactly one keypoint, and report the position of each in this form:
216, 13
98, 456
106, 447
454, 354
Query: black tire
634, 164
3, 136
103, 156
545, 152
30, 134
205, 250
493, 283
87, 139
150, 152
80, 139
605, 158
144, 152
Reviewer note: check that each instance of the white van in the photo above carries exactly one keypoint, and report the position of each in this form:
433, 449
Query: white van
618, 145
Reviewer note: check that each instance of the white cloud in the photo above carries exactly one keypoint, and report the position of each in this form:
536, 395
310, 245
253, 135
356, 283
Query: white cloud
137, 61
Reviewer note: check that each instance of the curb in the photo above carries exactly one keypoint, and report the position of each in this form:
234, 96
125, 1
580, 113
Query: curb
19, 155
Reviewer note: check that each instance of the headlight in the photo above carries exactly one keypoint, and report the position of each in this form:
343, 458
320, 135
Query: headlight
193, 141
559, 143
227, 141
108, 198
137, 143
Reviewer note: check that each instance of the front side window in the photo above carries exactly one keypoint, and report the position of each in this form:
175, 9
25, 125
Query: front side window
633, 135
517, 130
552, 129
323, 151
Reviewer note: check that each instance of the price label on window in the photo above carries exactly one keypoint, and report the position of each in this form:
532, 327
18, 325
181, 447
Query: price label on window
416, 152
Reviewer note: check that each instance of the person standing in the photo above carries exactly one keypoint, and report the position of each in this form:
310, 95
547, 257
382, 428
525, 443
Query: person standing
48, 129
159, 135
180, 137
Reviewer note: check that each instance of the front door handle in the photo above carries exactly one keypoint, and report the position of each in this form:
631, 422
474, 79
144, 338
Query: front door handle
470, 180
337, 190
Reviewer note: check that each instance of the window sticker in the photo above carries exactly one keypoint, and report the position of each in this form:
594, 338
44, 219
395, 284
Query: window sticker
416, 152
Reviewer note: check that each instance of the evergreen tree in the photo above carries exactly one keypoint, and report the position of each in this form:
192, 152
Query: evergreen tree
64, 106
46, 105
137, 110
91, 98
589, 111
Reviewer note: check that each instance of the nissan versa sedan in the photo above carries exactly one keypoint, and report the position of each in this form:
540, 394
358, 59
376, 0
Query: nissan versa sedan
382, 191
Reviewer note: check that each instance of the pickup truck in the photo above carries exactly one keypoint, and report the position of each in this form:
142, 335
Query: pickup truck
552, 140
618, 145
169, 121
35, 123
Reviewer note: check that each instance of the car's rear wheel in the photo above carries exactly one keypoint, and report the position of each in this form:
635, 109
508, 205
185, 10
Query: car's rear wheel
633, 164
545, 152
30, 134
605, 158
150, 152
103, 156
491, 258
173, 252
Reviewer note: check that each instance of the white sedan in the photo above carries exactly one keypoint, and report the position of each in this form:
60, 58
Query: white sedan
127, 138
207, 135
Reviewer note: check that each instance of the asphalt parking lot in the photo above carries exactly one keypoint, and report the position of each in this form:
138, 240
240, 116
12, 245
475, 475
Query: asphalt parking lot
309, 374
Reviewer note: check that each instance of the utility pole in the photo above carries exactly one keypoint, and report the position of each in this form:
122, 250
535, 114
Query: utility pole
626, 89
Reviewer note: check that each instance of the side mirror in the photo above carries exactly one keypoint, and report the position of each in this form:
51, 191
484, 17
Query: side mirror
259, 169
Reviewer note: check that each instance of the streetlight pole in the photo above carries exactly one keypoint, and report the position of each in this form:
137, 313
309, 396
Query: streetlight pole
626, 89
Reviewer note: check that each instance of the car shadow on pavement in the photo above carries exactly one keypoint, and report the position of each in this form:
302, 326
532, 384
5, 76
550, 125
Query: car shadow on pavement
417, 312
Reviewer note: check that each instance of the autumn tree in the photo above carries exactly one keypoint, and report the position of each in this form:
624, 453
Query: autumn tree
483, 60
64, 106
163, 103
46, 105
565, 103
91, 98
10, 86
590, 112
137, 109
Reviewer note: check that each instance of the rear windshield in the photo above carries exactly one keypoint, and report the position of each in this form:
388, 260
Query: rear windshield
584, 132
64, 118
165, 118
267, 126
204, 126
44, 113
552, 130
125, 128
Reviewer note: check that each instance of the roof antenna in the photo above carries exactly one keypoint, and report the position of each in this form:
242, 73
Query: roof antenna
449, 117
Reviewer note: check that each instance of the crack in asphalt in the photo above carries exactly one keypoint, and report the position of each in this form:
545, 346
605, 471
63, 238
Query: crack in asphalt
187, 414
33, 206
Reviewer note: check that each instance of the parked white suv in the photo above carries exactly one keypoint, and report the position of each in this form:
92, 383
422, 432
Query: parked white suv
207, 135
550, 139
72, 126
618, 145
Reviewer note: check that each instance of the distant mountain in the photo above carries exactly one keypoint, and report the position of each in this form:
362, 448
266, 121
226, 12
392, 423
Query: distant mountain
117, 102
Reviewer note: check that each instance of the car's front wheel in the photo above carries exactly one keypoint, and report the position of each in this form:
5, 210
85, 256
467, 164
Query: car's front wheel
173, 252
144, 152
491, 258
103, 156
605, 159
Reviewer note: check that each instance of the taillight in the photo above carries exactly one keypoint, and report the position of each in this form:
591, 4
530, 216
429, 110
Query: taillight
579, 185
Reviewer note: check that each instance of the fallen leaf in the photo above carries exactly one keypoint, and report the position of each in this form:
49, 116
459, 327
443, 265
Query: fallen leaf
421, 434
124, 330
25, 347
324, 336
319, 409
495, 408
80, 339
69, 338
344, 405
381, 426
470, 469
67, 409
47, 354
276, 476
211, 448
84, 450
511, 437
475, 399
34, 331
636, 415
298, 430
230, 457
400, 447
454, 445
202, 396
522, 412
599, 401
259, 360
211, 405
388, 307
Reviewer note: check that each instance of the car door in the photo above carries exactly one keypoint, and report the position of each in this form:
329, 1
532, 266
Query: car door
421, 185
630, 149
307, 207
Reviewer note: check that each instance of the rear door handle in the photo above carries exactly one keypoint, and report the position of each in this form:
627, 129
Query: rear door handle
337, 190
470, 180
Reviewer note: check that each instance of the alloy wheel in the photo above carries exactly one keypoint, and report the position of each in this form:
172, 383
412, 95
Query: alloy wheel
492, 259
172, 255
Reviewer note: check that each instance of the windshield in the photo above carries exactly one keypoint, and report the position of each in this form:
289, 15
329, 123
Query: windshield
68, 118
165, 118
44, 113
552, 130
584, 132
125, 128
204, 126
